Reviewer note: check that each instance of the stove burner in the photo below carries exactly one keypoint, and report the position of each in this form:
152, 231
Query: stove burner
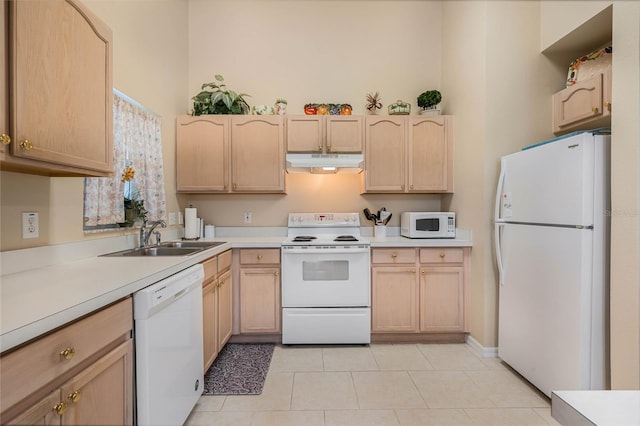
304, 238
345, 238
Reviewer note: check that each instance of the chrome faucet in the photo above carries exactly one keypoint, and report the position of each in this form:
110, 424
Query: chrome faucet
145, 234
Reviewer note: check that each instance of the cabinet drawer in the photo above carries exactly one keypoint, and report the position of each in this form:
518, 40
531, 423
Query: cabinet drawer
42, 360
393, 255
210, 268
224, 261
442, 255
259, 256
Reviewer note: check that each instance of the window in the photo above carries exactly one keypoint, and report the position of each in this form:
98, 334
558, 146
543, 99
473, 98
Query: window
137, 146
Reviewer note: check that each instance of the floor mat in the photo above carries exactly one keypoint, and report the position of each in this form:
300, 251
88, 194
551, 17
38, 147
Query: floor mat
239, 369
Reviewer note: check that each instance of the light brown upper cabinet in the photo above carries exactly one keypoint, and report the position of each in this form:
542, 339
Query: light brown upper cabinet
60, 90
408, 154
230, 153
202, 153
325, 133
585, 105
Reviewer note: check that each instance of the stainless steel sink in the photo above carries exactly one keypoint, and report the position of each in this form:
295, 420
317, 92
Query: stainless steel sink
172, 248
192, 244
156, 251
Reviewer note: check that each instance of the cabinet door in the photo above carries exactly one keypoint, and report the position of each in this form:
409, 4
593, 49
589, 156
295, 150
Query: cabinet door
394, 299
305, 133
202, 153
442, 299
210, 322
385, 161
259, 300
41, 413
257, 154
5, 139
430, 154
102, 394
344, 134
225, 308
580, 102
61, 85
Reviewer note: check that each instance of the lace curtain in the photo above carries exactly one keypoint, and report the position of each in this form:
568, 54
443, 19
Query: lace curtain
137, 143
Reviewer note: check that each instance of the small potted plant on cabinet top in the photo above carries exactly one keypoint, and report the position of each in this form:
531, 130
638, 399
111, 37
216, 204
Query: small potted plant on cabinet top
428, 102
219, 100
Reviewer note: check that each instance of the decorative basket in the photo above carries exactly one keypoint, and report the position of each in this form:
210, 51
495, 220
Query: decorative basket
399, 108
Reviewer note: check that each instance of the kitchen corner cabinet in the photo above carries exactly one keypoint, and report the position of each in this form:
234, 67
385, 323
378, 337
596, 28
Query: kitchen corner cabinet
585, 105
216, 305
325, 133
408, 154
419, 290
225, 153
259, 290
61, 125
74, 375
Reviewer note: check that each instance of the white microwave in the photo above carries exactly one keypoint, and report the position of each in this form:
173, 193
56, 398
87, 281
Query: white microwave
428, 225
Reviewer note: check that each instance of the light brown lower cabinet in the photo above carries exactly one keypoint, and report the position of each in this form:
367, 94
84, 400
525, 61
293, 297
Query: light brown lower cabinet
217, 305
260, 291
81, 374
419, 290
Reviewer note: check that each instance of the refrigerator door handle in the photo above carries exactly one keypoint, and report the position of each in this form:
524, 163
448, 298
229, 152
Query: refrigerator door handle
498, 249
499, 191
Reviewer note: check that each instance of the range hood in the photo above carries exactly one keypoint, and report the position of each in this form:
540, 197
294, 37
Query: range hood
324, 163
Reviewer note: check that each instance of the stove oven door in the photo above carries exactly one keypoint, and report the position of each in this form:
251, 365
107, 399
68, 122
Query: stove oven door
325, 277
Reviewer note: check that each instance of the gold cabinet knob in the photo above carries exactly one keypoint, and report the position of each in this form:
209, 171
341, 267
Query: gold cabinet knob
441, 255
259, 257
607, 105
60, 408
594, 109
5, 139
26, 145
276, 273
423, 272
394, 255
68, 353
74, 396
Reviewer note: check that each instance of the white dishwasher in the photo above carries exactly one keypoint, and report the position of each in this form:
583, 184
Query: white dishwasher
168, 337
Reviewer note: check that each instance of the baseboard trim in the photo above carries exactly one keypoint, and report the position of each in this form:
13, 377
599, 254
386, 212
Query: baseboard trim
484, 352
417, 337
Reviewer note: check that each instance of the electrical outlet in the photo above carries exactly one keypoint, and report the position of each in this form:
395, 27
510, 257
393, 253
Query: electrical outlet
30, 225
172, 218
247, 217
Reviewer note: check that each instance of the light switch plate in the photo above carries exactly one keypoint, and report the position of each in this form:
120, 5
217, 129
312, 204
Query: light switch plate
172, 218
30, 225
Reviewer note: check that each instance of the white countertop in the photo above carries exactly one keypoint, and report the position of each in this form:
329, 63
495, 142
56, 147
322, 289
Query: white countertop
38, 299
611, 408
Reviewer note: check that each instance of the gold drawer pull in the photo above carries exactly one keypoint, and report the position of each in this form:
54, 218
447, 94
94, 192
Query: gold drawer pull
68, 353
594, 109
60, 408
74, 396
394, 255
441, 255
26, 145
5, 139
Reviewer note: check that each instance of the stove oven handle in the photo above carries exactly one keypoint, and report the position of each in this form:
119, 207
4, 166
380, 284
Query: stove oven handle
317, 250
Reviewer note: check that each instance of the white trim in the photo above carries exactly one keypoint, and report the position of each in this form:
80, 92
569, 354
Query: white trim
478, 349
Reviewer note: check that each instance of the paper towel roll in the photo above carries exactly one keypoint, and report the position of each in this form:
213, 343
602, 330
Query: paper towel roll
191, 223
209, 231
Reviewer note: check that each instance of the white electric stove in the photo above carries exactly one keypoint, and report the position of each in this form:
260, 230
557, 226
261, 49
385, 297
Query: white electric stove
326, 296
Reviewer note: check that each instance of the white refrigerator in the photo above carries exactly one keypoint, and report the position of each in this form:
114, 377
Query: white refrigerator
552, 250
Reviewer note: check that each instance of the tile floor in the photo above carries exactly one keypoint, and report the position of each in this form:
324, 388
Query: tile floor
382, 384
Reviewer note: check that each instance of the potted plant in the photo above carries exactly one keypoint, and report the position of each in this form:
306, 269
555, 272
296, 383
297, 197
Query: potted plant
428, 101
219, 100
373, 103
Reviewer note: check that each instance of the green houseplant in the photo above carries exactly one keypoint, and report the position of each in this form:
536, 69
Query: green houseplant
429, 100
219, 99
